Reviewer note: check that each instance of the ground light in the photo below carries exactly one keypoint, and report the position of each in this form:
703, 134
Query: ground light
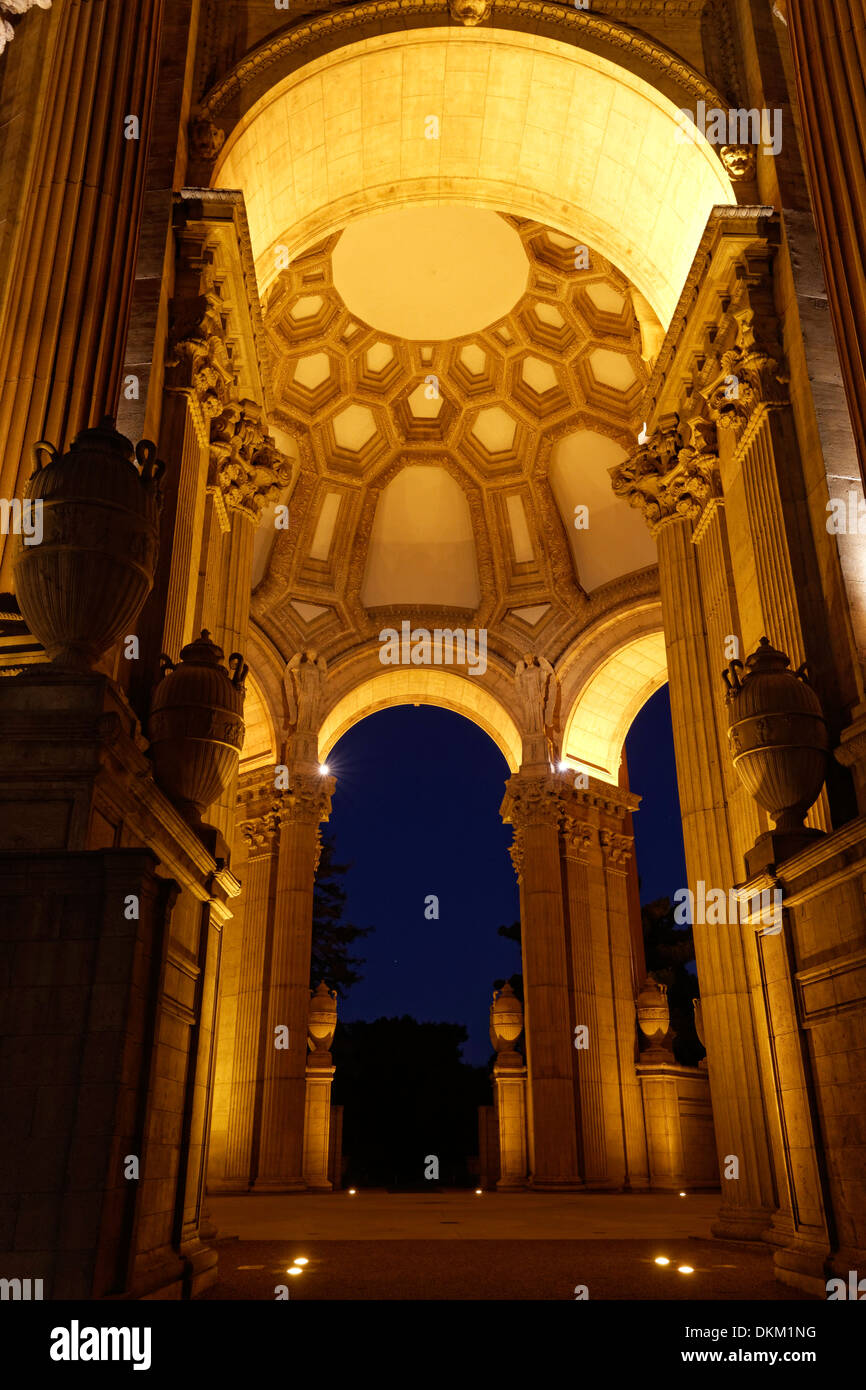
353, 1191
682, 1194
478, 1192
662, 1260
685, 1269
294, 1270
300, 1260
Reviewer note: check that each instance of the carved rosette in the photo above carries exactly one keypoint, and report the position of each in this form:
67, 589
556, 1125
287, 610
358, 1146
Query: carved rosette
247, 471
670, 479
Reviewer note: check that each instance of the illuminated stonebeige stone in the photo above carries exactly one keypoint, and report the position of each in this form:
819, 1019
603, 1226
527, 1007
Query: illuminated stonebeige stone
473, 358
603, 430
538, 375
306, 307
354, 427
451, 270
612, 369
547, 130
423, 404
494, 428
313, 370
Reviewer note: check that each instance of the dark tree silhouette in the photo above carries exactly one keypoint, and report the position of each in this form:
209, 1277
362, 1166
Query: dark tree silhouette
407, 1094
331, 960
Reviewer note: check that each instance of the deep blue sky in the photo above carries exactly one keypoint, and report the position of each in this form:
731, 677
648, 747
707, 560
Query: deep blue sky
416, 812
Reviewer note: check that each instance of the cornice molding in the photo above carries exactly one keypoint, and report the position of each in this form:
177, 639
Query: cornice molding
569, 24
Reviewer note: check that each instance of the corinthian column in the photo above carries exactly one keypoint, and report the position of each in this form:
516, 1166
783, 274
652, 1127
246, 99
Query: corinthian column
828, 40
284, 1046
673, 482
70, 279
532, 807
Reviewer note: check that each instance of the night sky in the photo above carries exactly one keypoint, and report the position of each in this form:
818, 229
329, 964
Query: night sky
416, 812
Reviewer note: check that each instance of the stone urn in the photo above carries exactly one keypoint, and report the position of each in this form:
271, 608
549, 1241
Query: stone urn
81, 589
196, 725
654, 1016
779, 745
322, 1018
506, 1021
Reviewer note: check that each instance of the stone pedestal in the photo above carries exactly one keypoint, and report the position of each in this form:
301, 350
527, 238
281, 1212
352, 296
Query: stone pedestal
509, 1090
679, 1126
110, 1008
317, 1121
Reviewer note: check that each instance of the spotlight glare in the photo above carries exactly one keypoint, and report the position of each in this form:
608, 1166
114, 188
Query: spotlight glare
324, 769
662, 1260
685, 1269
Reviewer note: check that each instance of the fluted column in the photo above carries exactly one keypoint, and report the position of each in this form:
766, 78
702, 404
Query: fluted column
283, 1067
260, 833
596, 1065
617, 850
66, 313
673, 482
532, 807
828, 40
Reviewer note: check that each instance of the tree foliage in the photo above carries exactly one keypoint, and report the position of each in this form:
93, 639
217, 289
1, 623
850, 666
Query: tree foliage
331, 959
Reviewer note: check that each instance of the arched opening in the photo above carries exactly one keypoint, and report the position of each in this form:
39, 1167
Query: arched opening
416, 815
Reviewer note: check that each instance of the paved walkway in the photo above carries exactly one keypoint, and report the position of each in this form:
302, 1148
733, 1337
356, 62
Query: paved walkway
455, 1245
376, 1215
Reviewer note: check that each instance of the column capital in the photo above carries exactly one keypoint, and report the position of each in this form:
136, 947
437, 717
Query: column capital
308, 802
532, 799
247, 471
617, 849
670, 478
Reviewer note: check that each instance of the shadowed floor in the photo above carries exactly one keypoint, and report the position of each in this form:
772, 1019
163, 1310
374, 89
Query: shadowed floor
445, 1245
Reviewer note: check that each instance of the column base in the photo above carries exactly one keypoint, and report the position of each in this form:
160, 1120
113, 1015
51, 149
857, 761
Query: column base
319, 1185
801, 1271
742, 1223
511, 1184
